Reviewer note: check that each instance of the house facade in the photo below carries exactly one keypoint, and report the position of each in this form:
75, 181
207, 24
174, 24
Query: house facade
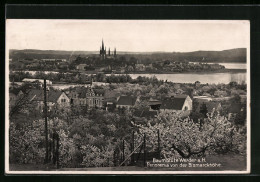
87, 97
63, 100
178, 104
95, 97
55, 99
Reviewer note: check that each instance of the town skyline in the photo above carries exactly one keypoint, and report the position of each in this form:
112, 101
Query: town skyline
122, 51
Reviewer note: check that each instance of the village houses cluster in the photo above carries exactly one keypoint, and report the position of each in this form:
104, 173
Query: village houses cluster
91, 97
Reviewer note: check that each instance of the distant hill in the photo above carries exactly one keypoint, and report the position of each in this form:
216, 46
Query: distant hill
46, 54
232, 55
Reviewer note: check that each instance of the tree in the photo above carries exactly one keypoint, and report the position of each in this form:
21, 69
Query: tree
100, 77
187, 138
203, 109
23, 102
163, 89
142, 105
240, 118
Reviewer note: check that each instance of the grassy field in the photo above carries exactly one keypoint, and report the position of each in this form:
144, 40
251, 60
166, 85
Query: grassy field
228, 162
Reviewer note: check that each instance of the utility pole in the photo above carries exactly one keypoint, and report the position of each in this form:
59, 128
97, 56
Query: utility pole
46, 124
133, 147
159, 152
57, 150
123, 150
144, 151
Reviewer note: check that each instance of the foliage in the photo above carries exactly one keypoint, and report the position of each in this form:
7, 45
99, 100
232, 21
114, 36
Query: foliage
96, 157
67, 149
25, 144
187, 138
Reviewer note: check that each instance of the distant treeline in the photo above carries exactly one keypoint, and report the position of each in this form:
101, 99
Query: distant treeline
233, 55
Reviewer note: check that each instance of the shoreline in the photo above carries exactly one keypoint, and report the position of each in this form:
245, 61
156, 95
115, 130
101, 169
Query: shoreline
188, 72
143, 72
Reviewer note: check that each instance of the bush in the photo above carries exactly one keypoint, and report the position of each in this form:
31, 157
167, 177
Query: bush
25, 144
187, 138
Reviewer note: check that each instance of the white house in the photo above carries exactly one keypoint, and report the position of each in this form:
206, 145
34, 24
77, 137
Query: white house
181, 103
54, 98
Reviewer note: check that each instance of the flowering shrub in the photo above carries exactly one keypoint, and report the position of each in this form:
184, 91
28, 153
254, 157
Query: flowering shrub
67, 149
25, 144
96, 157
186, 138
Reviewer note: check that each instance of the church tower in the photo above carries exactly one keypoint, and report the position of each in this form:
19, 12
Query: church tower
115, 53
102, 51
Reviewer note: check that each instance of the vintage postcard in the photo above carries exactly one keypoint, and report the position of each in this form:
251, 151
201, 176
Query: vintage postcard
127, 96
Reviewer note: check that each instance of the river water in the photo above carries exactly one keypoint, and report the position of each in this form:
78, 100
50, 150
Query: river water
210, 78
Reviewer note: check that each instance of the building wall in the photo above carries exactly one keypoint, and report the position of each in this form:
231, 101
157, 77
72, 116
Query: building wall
125, 106
186, 108
187, 104
63, 100
95, 101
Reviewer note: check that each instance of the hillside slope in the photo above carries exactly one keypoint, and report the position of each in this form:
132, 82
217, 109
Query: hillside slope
232, 55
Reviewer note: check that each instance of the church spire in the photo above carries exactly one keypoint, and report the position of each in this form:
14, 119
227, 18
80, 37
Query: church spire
115, 52
102, 44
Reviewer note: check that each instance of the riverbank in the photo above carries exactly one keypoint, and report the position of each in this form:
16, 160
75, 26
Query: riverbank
137, 72
187, 72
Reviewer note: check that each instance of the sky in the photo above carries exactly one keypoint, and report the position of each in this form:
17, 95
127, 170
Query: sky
127, 35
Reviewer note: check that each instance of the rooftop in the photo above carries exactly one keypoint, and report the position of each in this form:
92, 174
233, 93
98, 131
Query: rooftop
174, 103
38, 95
126, 100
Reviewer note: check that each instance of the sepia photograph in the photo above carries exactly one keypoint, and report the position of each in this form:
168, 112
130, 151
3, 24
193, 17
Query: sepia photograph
127, 96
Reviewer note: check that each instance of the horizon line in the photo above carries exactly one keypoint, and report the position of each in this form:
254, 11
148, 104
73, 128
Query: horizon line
129, 51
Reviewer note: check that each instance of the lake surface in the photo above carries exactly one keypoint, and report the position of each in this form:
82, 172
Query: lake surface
213, 78
233, 65
66, 86
229, 65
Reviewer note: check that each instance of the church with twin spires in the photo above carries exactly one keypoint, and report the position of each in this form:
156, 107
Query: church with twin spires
104, 54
